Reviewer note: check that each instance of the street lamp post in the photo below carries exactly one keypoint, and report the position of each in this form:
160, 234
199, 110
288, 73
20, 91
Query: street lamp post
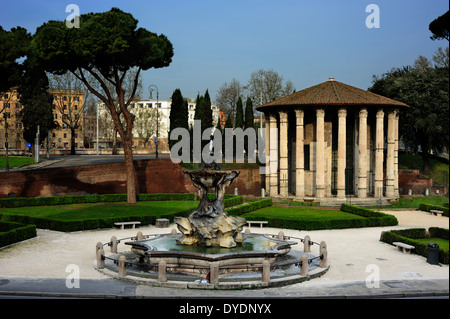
150, 88
6, 141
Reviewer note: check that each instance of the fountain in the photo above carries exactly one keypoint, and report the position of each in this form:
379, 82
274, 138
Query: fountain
210, 225
210, 239
209, 235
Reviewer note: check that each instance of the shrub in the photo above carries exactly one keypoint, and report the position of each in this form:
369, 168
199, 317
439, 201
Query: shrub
11, 232
79, 199
408, 236
429, 207
249, 207
373, 218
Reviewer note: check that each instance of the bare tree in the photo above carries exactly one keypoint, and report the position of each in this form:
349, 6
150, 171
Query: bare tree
228, 95
129, 79
69, 94
146, 122
266, 86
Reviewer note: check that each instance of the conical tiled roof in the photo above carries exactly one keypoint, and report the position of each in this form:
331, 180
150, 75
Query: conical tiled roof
333, 93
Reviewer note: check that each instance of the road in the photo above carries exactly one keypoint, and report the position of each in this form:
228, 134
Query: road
77, 160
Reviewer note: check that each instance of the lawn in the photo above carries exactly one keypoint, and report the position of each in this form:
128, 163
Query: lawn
103, 210
443, 243
15, 161
304, 214
416, 201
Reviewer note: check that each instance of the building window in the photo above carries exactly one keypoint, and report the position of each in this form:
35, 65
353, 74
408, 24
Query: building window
65, 135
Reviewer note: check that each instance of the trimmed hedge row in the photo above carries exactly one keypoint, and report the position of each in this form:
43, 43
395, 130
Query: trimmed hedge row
249, 207
87, 224
429, 207
372, 219
80, 199
107, 222
407, 236
11, 233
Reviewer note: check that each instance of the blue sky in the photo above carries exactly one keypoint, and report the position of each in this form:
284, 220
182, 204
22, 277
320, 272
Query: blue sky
305, 41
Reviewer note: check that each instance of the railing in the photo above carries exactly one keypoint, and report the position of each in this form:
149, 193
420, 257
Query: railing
213, 271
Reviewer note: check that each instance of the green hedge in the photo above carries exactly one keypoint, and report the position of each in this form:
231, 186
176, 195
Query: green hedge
80, 199
87, 224
373, 219
429, 207
407, 236
231, 200
11, 233
107, 222
249, 207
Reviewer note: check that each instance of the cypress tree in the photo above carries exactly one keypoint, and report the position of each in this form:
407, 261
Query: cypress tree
249, 117
178, 114
239, 122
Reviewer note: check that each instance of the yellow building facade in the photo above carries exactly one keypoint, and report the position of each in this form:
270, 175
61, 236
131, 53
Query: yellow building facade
68, 107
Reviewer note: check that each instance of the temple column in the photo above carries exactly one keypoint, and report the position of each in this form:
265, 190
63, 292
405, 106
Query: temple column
396, 189
273, 156
362, 164
320, 153
300, 159
379, 154
341, 164
390, 155
283, 154
267, 176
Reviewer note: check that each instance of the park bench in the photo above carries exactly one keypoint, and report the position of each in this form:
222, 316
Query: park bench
403, 247
122, 224
436, 212
256, 222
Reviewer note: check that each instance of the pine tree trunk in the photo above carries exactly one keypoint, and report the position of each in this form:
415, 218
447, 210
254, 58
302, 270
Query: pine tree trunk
130, 171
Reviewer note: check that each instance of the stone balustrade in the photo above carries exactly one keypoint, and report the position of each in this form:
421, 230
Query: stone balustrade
214, 270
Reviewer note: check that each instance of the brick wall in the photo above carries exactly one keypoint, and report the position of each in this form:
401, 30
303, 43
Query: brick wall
154, 176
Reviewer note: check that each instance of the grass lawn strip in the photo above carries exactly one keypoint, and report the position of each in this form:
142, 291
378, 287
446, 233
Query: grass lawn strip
102, 210
299, 214
443, 243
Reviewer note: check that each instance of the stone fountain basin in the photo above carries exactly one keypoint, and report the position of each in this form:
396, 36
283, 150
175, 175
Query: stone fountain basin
208, 178
191, 258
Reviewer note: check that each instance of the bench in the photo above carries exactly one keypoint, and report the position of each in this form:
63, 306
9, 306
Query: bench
122, 224
436, 212
403, 247
256, 222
